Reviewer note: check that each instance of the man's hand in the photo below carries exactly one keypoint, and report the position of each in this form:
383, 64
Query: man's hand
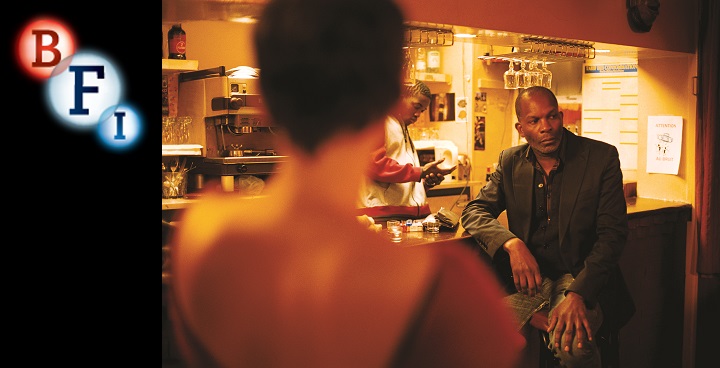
433, 168
525, 270
568, 319
432, 180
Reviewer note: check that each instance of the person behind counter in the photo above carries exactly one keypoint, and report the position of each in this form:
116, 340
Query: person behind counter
391, 188
291, 278
567, 229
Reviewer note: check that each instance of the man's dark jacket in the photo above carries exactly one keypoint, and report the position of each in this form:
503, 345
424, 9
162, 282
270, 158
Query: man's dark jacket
592, 219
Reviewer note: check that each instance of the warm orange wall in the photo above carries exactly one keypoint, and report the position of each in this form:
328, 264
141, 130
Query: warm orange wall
218, 43
664, 88
587, 20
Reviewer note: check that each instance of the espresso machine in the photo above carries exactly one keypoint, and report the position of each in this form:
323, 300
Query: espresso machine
230, 122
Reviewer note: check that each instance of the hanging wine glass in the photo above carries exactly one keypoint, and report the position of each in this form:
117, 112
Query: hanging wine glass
533, 74
523, 79
510, 76
546, 75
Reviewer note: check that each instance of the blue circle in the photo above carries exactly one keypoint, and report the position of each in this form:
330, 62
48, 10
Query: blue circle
81, 87
120, 128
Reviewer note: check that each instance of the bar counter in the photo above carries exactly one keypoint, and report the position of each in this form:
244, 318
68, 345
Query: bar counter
637, 209
653, 265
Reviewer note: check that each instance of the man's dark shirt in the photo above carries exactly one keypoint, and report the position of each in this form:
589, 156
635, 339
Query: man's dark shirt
544, 233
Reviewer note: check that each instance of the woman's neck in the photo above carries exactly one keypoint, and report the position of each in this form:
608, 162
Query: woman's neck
332, 176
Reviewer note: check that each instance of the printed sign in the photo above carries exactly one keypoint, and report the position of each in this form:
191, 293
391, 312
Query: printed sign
611, 68
664, 144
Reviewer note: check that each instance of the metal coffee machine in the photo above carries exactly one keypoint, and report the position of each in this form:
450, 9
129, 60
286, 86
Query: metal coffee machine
230, 122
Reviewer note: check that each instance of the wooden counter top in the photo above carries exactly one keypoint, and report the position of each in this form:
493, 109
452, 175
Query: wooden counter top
642, 207
449, 184
639, 207
176, 203
181, 203
634, 208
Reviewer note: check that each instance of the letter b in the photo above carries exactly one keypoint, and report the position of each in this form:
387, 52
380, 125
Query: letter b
39, 48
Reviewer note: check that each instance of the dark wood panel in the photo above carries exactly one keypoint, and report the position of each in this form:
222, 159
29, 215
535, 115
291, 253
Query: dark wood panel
653, 264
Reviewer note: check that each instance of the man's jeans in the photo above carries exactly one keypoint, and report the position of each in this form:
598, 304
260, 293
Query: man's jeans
550, 296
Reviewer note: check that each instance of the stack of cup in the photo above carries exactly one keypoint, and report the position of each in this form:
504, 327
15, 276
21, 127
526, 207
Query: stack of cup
168, 130
176, 130
182, 129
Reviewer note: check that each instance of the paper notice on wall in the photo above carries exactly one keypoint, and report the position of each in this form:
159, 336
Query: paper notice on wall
664, 144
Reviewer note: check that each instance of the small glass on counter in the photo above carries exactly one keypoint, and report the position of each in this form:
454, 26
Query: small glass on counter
394, 228
174, 184
432, 226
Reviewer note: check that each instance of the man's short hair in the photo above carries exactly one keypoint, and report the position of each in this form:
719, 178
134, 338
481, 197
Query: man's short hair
529, 92
417, 89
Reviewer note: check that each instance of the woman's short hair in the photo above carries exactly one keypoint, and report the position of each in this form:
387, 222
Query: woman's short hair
330, 71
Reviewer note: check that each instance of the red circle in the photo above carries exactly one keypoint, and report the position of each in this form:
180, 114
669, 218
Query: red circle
42, 44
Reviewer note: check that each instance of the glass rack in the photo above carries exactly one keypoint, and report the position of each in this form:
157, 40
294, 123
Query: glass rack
534, 48
424, 36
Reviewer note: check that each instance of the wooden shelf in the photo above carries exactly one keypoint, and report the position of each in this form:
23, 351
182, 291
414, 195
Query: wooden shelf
171, 66
182, 150
434, 77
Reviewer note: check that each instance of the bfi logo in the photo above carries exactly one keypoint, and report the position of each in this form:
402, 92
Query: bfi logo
83, 88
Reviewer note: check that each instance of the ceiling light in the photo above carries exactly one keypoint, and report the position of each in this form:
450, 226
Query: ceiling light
246, 20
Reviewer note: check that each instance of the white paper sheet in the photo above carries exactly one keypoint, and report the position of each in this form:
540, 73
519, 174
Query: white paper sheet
664, 144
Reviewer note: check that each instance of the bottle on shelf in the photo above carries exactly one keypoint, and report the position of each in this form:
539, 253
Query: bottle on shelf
408, 69
433, 60
176, 42
421, 63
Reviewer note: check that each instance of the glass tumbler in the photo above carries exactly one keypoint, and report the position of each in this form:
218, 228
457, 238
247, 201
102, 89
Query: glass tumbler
168, 130
433, 227
182, 129
395, 230
174, 184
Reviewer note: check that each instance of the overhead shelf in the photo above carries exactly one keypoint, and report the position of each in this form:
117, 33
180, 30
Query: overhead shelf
170, 66
550, 50
424, 36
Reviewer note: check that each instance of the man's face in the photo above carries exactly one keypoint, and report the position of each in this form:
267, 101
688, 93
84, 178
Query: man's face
412, 107
541, 124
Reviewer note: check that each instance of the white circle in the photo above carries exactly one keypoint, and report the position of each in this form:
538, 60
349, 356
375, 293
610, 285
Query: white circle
81, 87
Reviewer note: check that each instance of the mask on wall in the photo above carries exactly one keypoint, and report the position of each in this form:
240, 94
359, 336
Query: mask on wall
641, 14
